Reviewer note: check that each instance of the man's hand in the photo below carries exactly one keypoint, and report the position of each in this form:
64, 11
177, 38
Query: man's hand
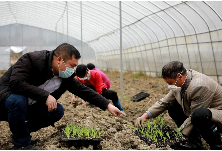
85, 104
74, 98
139, 120
51, 103
114, 110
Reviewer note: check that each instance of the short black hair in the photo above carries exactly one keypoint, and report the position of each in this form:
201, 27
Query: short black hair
90, 66
66, 51
171, 69
81, 70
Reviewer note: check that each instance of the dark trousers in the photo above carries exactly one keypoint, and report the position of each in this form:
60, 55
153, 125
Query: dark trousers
17, 112
201, 117
175, 111
202, 121
108, 94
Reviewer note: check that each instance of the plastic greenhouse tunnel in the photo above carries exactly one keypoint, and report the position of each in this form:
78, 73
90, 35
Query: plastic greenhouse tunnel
135, 36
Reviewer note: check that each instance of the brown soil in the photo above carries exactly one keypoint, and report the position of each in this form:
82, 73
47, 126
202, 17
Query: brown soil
117, 135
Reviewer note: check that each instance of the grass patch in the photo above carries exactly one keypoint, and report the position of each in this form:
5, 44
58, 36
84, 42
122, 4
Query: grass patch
139, 75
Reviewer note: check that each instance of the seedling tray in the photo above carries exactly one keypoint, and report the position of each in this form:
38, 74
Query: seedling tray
79, 142
140, 96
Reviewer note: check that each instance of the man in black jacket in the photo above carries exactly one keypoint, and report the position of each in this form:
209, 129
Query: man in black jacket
30, 88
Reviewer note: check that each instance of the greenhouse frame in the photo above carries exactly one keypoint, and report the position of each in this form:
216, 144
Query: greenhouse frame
128, 36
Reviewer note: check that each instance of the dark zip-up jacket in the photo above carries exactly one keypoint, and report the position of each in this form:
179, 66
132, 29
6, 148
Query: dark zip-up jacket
34, 69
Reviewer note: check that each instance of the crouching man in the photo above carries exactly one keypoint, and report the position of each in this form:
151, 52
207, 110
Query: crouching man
194, 102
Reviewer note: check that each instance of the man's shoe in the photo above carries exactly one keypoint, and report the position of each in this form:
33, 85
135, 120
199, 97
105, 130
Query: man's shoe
90, 105
33, 142
29, 147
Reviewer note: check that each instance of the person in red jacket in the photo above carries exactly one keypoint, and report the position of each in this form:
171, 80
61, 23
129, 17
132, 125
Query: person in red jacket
93, 79
105, 79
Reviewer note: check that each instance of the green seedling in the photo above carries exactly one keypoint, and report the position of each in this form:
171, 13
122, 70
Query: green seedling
81, 132
179, 132
67, 130
164, 139
148, 125
147, 134
153, 130
86, 133
160, 133
168, 135
159, 118
100, 132
74, 131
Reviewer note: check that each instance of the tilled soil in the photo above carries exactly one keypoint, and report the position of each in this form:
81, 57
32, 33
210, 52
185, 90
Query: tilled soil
117, 133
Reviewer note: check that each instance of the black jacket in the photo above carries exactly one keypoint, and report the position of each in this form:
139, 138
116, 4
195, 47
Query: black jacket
32, 70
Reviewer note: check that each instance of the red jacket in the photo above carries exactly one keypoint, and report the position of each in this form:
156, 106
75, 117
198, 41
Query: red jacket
95, 80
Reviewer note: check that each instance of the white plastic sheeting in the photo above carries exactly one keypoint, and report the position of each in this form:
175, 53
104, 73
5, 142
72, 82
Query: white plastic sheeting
15, 49
153, 32
5, 58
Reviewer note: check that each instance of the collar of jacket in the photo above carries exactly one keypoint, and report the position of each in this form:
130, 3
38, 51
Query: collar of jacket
189, 77
50, 73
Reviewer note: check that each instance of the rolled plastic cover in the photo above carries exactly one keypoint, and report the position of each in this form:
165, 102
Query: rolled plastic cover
16, 49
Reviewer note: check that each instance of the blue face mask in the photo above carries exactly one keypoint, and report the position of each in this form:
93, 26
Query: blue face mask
67, 73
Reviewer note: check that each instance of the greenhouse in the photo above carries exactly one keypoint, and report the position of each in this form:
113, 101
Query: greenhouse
147, 34
124, 39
